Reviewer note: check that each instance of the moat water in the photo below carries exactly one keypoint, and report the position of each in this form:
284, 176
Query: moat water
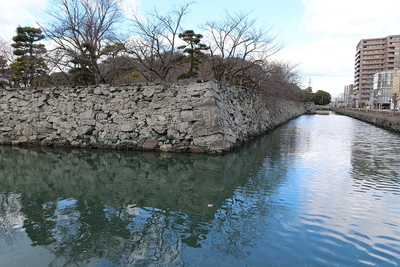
321, 190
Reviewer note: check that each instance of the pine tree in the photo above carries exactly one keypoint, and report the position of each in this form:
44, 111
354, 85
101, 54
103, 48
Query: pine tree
83, 72
194, 49
29, 68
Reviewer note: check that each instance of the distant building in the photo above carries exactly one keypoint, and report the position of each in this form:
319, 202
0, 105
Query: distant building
337, 101
396, 89
348, 98
381, 95
372, 56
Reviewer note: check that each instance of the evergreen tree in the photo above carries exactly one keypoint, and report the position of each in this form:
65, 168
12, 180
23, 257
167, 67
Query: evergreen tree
83, 72
194, 49
29, 67
322, 97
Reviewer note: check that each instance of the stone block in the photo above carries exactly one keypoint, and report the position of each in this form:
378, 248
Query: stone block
22, 140
207, 102
5, 129
186, 107
166, 148
90, 122
64, 125
186, 115
160, 129
206, 141
143, 104
87, 115
14, 143
183, 126
195, 149
53, 119
149, 91
75, 144
220, 146
150, 144
144, 133
22, 103
101, 116
128, 127
85, 130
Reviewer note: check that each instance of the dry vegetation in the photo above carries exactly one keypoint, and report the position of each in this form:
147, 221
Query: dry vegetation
88, 48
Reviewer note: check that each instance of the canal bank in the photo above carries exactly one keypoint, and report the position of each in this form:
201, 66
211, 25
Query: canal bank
207, 117
382, 118
317, 191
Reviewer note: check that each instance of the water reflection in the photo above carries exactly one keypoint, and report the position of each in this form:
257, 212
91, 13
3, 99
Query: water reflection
307, 193
124, 208
375, 160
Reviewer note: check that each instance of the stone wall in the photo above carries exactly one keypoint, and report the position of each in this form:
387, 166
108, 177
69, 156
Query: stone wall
197, 117
386, 119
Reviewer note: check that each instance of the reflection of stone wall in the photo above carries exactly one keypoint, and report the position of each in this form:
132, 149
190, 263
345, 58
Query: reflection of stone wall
197, 117
140, 207
179, 182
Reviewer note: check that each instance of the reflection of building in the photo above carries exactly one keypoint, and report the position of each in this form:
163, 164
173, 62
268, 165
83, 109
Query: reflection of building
372, 56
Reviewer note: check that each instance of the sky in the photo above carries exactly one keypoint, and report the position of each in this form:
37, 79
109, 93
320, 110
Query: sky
320, 36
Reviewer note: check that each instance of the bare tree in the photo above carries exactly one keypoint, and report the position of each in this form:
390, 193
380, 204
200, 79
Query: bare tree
6, 50
59, 62
236, 44
154, 41
5, 73
6, 57
282, 72
280, 79
81, 28
118, 67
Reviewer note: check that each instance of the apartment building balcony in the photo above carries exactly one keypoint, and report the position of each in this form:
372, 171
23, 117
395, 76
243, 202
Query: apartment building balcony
374, 41
372, 65
374, 53
379, 57
374, 47
371, 60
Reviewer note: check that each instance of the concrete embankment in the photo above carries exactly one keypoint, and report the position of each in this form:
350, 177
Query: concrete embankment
207, 117
384, 118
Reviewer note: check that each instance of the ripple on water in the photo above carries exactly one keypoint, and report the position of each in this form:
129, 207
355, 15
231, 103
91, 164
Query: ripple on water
347, 243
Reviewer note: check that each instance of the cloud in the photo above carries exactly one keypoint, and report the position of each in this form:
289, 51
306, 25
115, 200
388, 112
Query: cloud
330, 31
28, 12
129, 6
328, 55
365, 18
328, 61
19, 13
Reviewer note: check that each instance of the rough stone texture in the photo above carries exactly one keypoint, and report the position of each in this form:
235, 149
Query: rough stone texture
204, 117
385, 119
310, 108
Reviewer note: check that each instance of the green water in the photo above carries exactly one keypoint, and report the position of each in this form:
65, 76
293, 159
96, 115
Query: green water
318, 191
